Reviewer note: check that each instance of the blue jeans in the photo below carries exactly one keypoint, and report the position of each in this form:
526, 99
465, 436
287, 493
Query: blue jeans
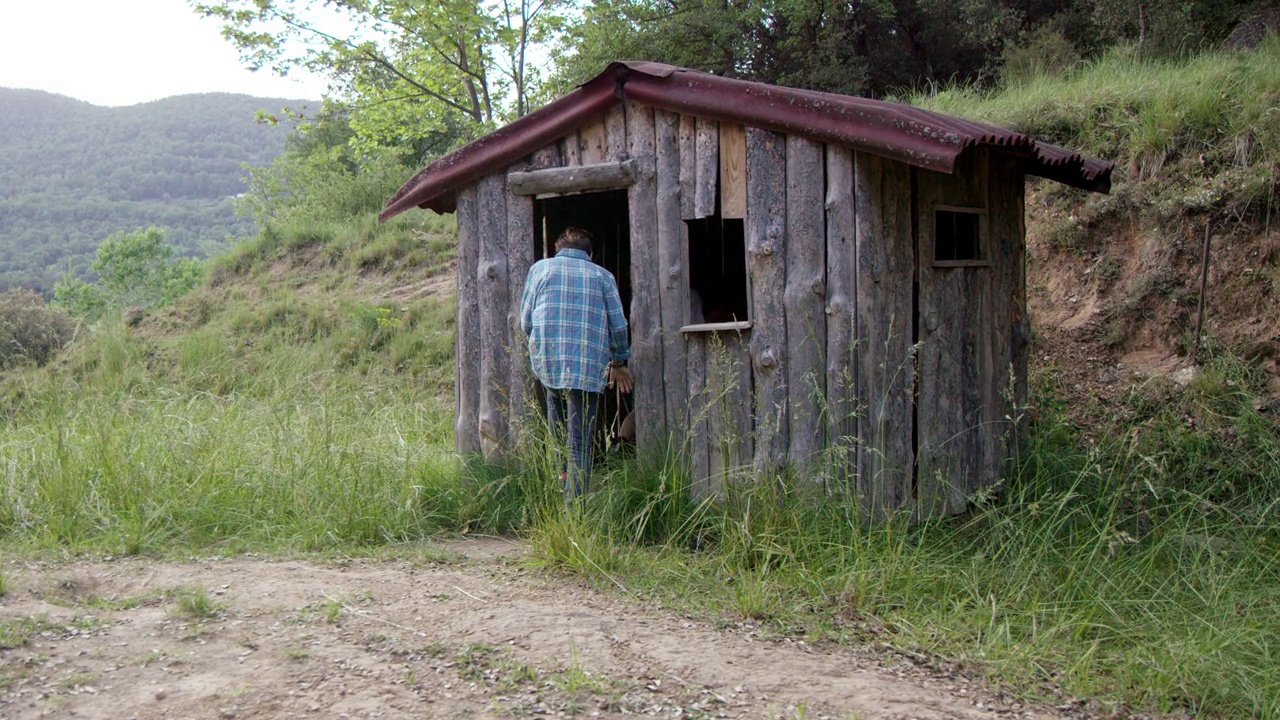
575, 409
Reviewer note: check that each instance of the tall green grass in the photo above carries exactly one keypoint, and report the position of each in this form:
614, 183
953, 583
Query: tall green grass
1143, 571
1197, 133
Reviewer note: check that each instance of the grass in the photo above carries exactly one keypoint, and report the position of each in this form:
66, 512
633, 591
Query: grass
1143, 572
1195, 135
302, 399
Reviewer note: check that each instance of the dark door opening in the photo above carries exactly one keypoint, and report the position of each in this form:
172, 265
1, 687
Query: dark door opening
606, 216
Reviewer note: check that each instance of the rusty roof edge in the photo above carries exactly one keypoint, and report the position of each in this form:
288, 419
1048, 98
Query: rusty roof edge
898, 132
435, 185
868, 125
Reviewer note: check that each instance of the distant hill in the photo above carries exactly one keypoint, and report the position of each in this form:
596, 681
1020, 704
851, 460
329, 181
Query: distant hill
72, 173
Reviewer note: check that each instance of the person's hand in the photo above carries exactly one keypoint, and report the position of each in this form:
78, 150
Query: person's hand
620, 378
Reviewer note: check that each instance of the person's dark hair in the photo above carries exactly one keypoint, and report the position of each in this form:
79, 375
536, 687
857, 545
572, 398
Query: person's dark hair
576, 238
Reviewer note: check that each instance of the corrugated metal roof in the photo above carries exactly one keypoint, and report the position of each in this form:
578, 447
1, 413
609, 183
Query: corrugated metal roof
899, 132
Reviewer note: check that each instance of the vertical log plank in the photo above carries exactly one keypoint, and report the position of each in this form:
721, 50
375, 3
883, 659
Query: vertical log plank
591, 141
804, 299
957, 389
519, 259
571, 149
1011, 330
841, 380
707, 168
688, 164
615, 133
646, 310
466, 431
544, 157
733, 161
696, 416
672, 266
492, 278
885, 316
766, 230
730, 396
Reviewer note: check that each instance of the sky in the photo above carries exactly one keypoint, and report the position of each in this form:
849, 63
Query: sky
125, 52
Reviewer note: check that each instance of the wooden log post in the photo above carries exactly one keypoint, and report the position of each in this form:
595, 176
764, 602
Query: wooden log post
804, 299
521, 397
841, 380
730, 403
615, 133
646, 311
673, 269
706, 168
688, 164
576, 178
766, 228
885, 315
492, 277
466, 431
696, 416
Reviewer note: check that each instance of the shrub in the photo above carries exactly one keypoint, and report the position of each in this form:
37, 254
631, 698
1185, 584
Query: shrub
30, 330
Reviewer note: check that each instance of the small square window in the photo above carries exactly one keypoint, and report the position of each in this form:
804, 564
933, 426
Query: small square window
957, 236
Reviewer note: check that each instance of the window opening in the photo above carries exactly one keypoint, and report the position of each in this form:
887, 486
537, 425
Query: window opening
717, 272
957, 236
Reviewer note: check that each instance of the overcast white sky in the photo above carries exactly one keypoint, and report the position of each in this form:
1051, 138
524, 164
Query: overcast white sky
123, 52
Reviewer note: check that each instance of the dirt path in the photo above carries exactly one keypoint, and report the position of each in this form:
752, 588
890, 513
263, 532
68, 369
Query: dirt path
473, 635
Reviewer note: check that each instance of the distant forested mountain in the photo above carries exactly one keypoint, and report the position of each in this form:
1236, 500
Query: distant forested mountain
72, 173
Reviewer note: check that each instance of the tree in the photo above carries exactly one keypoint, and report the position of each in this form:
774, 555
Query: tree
405, 69
866, 47
135, 269
30, 330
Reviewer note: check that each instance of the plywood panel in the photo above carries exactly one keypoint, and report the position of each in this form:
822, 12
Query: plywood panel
766, 237
733, 168
885, 316
804, 299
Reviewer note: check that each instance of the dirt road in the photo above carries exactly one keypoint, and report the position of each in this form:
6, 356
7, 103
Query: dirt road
467, 633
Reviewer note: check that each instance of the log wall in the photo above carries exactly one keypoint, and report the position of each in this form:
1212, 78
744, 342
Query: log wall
826, 380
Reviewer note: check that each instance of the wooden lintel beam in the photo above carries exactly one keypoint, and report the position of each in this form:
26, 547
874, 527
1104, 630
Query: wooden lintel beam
582, 178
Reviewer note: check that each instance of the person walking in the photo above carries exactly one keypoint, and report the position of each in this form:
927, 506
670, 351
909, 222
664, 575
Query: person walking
572, 315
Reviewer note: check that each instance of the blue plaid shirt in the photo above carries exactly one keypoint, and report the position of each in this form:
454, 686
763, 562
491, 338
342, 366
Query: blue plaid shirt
572, 314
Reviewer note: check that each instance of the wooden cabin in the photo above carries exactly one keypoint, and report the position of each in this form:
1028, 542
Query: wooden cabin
820, 284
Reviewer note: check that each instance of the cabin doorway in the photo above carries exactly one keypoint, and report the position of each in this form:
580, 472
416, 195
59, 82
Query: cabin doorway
606, 216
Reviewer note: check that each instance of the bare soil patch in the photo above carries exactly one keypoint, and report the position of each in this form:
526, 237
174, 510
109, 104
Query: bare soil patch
465, 632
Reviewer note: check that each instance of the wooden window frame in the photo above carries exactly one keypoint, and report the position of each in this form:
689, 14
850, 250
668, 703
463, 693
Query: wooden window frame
984, 257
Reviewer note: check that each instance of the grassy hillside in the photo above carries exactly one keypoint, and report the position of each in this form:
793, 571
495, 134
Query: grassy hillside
301, 399
72, 173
